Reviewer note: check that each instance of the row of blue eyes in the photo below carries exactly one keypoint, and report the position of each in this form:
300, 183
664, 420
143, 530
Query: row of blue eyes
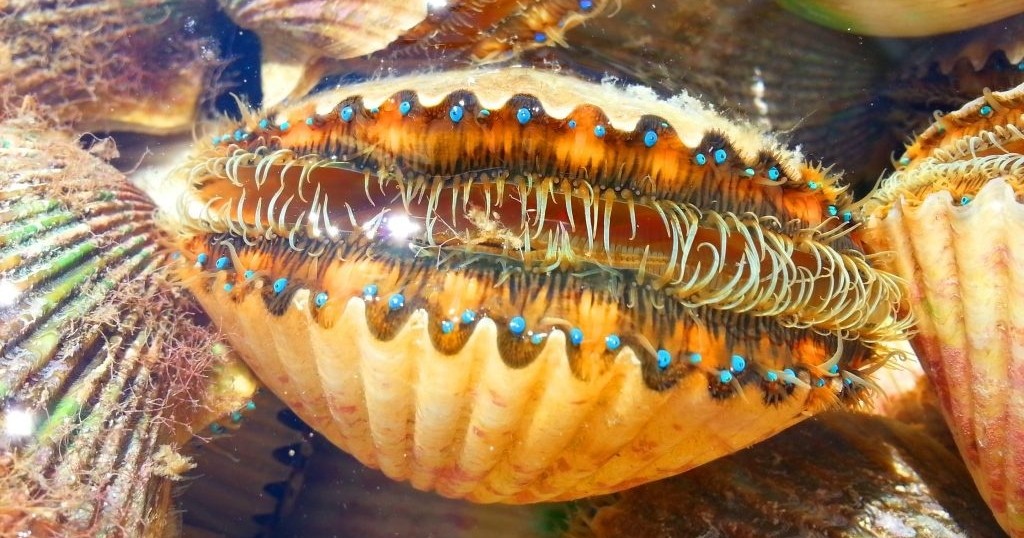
517, 325
523, 116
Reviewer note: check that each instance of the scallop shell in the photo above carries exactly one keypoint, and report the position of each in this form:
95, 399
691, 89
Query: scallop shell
903, 18
946, 72
421, 364
838, 474
105, 367
301, 43
952, 223
104, 67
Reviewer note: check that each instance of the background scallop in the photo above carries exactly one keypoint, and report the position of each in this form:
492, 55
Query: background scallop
105, 366
953, 222
903, 18
294, 35
104, 67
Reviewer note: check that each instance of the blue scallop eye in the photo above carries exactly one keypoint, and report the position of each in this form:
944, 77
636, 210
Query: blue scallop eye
264, 123
725, 377
284, 126
612, 342
576, 336
720, 156
517, 325
600, 131
447, 327
201, 258
468, 316
370, 290
738, 363
279, 285
523, 115
249, 273
456, 113
310, 121
664, 359
347, 114
650, 139
396, 301
700, 159
222, 262
404, 107
320, 299
771, 377
572, 124
773, 174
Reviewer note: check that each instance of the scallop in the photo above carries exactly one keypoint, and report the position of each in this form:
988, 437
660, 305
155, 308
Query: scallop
950, 222
508, 285
106, 366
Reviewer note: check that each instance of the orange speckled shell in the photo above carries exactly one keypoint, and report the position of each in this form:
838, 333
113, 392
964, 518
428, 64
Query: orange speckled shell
953, 224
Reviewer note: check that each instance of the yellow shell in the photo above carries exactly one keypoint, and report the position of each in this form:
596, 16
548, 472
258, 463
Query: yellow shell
903, 18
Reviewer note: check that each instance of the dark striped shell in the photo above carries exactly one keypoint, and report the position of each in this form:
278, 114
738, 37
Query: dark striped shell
105, 366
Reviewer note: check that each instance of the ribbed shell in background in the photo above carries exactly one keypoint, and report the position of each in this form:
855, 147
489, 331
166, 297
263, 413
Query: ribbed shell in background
105, 66
104, 365
952, 226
